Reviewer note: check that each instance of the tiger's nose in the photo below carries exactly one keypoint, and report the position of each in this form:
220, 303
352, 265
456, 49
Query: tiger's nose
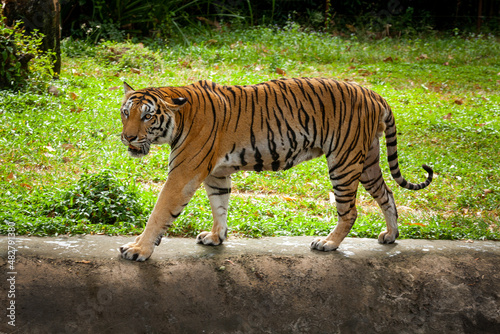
129, 138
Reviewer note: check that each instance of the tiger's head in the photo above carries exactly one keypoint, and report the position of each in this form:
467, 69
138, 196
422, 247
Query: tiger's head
148, 117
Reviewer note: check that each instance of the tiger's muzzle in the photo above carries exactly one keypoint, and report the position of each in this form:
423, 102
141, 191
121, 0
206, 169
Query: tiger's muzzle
137, 148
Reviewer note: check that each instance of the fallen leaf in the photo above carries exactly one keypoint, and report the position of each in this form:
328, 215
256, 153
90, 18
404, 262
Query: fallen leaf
77, 110
25, 185
422, 56
211, 41
135, 70
11, 176
185, 64
114, 88
280, 71
446, 64
388, 59
83, 261
447, 116
459, 101
73, 96
418, 224
364, 72
487, 191
68, 146
259, 275
481, 124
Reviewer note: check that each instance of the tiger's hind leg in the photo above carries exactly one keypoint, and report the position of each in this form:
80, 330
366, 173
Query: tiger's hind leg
373, 181
218, 191
345, 181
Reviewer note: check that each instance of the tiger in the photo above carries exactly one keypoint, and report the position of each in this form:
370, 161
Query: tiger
215, 130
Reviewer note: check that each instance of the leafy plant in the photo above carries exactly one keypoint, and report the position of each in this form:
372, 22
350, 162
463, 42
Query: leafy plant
100, 198
22, 63
129, 55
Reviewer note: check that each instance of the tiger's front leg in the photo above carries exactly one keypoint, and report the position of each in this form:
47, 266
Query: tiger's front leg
218, 191
173, 198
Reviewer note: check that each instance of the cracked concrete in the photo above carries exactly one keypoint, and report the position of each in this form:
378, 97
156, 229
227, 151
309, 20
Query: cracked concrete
268, 285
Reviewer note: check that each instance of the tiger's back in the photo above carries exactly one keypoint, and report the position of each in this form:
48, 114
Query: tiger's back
216, 130
278, 124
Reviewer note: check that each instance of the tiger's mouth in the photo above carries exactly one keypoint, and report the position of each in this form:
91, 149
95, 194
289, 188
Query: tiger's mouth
137, 152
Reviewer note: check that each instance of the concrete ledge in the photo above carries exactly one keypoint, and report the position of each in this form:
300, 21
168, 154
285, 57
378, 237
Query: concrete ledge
269, 285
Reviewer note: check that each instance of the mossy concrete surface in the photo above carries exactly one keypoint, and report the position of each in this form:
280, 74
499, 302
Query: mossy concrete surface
269, 285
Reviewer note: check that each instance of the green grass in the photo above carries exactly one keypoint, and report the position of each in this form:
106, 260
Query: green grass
445, 93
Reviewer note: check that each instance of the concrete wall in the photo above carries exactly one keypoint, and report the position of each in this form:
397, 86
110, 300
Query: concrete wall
270, 285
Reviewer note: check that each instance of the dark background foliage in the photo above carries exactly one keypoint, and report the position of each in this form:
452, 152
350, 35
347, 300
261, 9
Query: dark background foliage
155, 18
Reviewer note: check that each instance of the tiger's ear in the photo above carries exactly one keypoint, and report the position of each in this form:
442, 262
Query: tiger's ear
127, 88
179, 101
177, 104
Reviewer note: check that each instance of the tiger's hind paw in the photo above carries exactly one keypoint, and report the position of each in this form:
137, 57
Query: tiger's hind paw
133, 251
387, 238
323, 245
208, 238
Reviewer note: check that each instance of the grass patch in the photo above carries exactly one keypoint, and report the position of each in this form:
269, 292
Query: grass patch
444, 93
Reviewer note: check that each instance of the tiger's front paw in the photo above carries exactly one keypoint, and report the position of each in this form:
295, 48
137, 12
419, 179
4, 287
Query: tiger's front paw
136, 252
323, 245
208, 238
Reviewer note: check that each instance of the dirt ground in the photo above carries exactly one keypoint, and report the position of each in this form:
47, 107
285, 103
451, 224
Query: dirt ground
271, 285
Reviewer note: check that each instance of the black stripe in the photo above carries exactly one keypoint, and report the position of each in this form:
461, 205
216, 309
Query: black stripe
220, 191
260, 163
393, 143
242, 158
175, 215
393, 156
389, 136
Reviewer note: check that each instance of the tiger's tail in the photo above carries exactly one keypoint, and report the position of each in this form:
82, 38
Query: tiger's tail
392, 156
